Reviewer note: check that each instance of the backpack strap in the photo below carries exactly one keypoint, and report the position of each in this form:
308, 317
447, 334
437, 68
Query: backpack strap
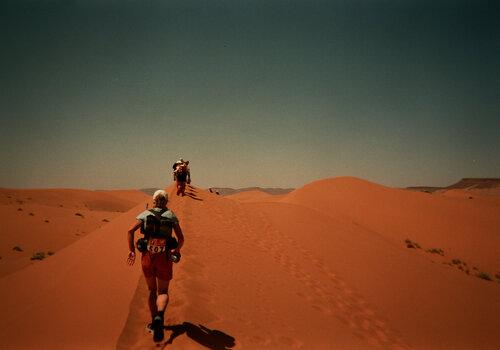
156, 213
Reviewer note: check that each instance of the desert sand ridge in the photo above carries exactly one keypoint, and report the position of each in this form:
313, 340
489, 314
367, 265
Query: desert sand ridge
467, 228
325, 267
76, 299
291, 274
253, 196
43, 221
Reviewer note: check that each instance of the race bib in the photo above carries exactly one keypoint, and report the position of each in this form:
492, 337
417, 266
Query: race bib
157, 245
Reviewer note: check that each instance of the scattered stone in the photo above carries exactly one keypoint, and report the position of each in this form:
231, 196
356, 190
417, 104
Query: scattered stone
49, 253
19, 209
47, 221
32, 214
17, 248
105, 220
79, 214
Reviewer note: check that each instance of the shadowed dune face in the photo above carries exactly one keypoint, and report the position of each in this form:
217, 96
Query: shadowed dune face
37, 223
325, 267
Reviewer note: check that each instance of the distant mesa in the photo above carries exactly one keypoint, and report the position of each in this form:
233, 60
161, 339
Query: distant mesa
476, 183
464, 184
226, 191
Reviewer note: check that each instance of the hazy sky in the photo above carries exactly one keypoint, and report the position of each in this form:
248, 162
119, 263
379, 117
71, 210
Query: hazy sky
108, 94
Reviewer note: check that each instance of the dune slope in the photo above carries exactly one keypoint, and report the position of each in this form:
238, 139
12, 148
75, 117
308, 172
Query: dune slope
465, 229
76, 299
282, 275
303, 272
41, 222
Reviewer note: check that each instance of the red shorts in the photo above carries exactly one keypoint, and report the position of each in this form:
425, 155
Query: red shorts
157, 265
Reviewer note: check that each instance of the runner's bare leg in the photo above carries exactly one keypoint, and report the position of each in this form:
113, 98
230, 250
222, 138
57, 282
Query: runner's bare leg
152, 286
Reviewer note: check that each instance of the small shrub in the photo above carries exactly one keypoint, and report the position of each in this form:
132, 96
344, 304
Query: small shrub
47, 221
79, 214
497, 275
38, 256
17, 248
456, 261
20, 209
436, 251
49, 253
484, 276
411, 244
105, 220
32, 214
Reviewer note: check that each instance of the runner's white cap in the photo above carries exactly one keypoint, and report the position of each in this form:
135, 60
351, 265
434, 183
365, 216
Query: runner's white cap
160, 193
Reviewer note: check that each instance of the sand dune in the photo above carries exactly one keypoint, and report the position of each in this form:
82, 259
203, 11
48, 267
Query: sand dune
460, 226
45, 221
255, 196
325, 267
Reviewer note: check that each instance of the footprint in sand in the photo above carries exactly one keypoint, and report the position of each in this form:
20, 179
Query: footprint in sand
336, 298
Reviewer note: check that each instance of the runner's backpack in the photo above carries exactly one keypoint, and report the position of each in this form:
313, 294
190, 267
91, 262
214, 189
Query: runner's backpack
158, 226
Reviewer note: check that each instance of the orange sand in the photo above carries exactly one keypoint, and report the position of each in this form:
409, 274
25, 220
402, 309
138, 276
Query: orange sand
49, 220
324, 267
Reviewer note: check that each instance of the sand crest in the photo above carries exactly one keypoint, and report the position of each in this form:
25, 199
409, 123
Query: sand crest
325, 267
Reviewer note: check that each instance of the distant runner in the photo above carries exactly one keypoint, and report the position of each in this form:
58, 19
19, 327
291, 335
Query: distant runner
159, 249
182, 175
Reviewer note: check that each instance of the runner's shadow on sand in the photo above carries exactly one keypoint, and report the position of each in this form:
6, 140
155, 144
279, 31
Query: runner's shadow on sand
210, 338
193, 195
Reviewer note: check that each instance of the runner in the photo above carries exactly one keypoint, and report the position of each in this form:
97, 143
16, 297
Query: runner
159, 249
182, 176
